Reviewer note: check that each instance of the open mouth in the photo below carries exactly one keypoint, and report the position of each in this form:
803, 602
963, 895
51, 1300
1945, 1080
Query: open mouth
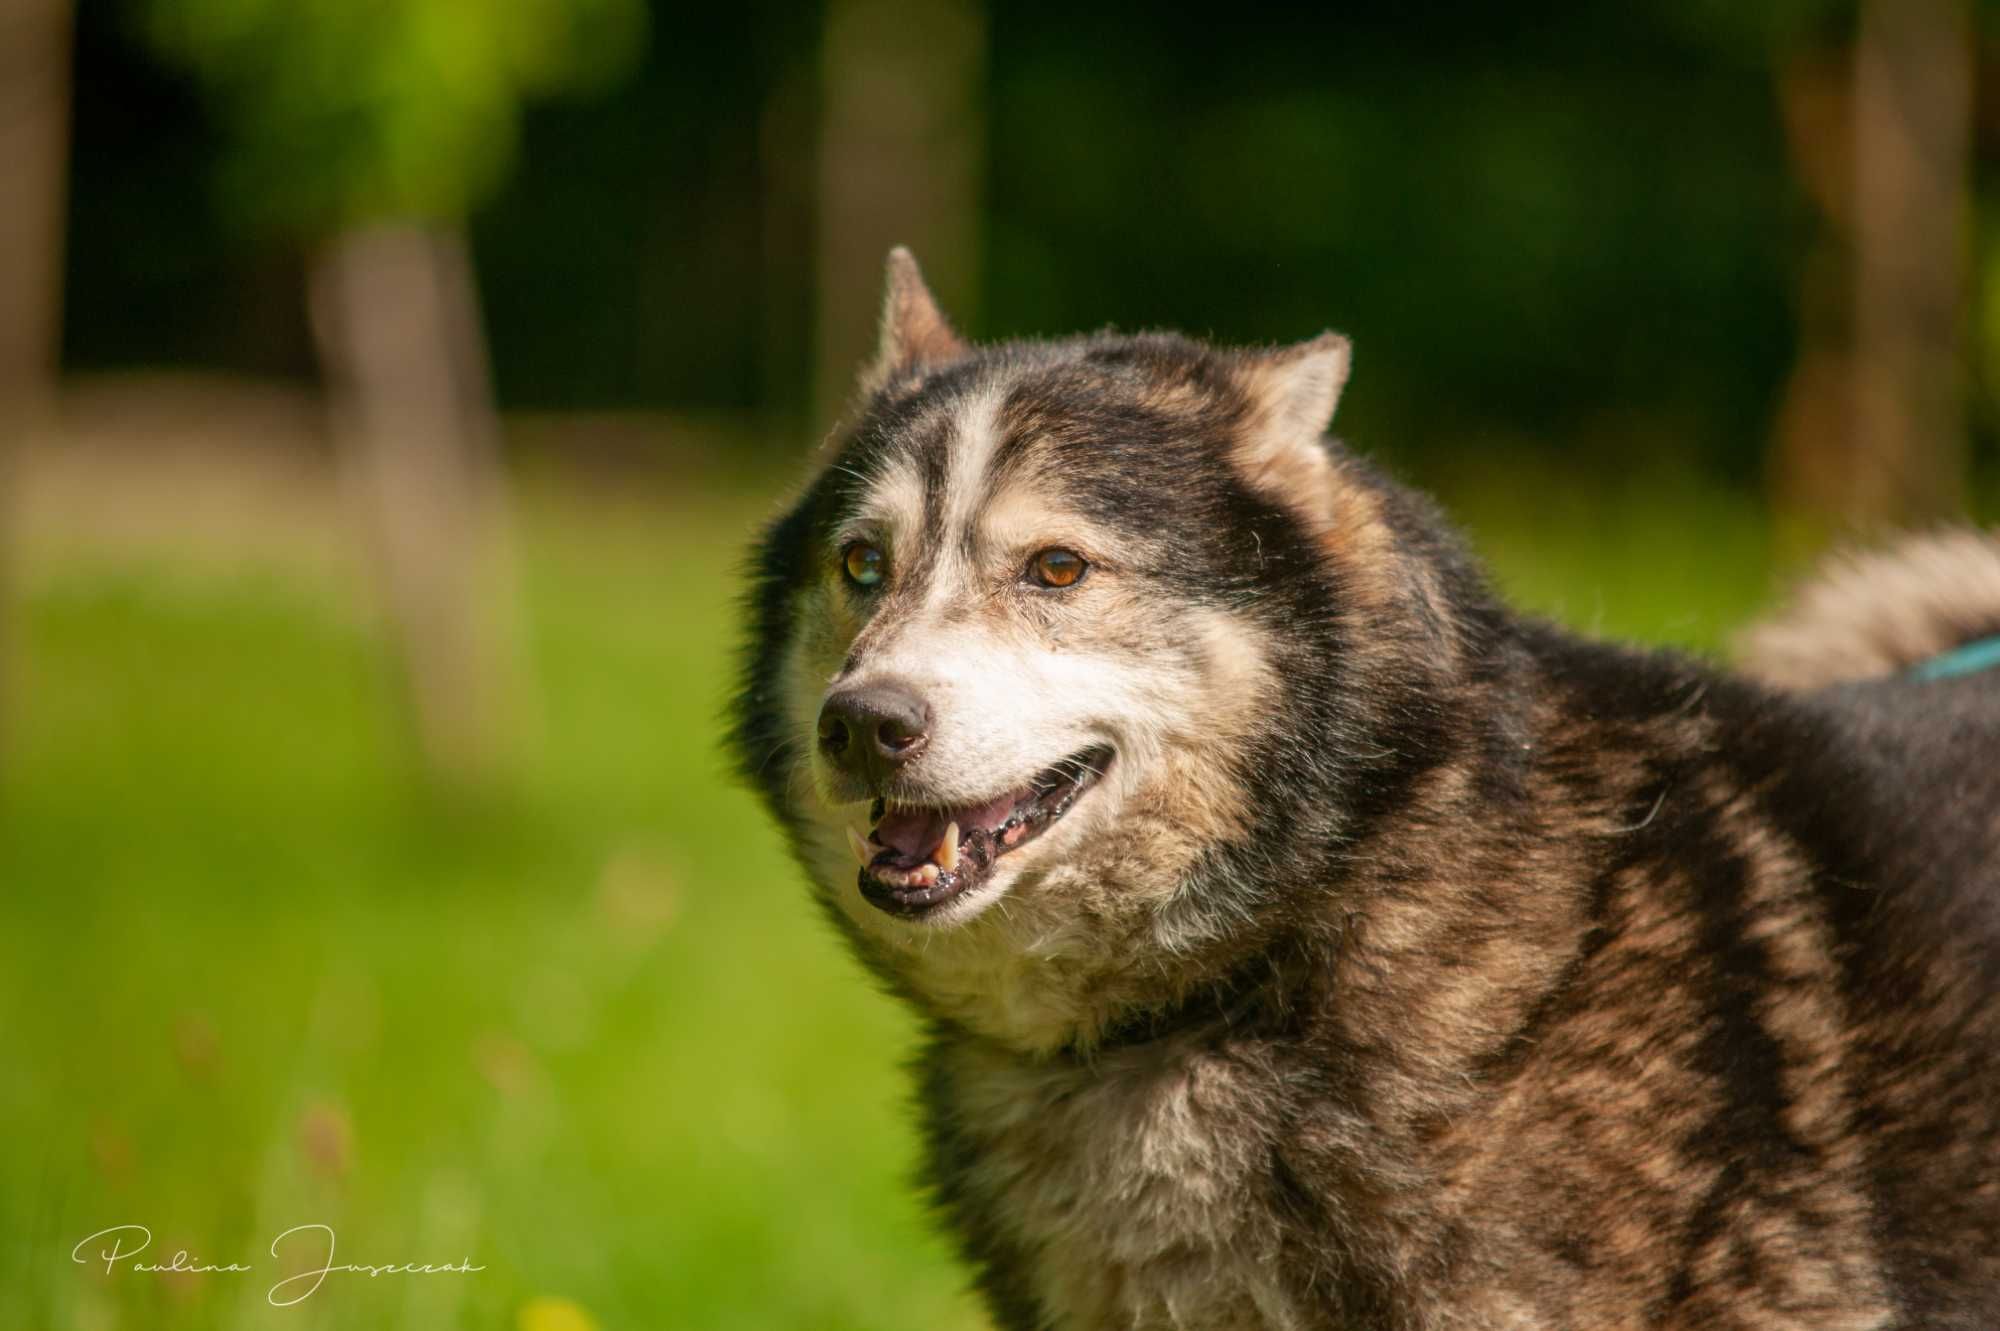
919, 857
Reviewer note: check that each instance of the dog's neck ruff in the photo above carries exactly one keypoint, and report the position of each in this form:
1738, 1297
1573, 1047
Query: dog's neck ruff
1967, 659
1252, 997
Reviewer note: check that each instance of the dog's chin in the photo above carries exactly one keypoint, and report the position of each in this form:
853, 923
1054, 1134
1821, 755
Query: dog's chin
940, 864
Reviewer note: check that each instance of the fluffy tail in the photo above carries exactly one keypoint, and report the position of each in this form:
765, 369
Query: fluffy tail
1880, 613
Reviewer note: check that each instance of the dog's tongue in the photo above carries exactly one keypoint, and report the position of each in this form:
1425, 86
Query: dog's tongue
915, 832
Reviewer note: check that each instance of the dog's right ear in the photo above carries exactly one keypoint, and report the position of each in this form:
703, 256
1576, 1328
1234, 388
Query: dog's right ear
915, 333
1299, 386
1293, 393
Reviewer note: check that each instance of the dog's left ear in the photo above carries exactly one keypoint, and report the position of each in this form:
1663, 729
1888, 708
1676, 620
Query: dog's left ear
1293, 392
915, 333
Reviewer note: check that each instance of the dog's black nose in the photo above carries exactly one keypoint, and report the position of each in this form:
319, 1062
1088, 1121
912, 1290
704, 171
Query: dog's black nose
872, 730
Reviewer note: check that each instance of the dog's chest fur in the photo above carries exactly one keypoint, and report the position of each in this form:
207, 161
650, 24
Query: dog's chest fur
1131, 1193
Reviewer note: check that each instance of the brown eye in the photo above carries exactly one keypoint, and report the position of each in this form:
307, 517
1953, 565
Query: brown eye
864, 563
1058, 568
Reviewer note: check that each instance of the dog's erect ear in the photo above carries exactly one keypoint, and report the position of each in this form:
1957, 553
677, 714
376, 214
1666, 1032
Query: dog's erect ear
1299, 386
1294, 391
915, 332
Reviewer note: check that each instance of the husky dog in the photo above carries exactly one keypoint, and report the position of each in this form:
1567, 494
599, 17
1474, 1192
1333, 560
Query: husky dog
1307, 940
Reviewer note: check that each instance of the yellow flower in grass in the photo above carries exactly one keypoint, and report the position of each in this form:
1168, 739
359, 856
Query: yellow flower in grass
548, 1313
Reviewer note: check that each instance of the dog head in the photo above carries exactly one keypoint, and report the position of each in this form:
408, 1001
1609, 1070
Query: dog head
1060, 662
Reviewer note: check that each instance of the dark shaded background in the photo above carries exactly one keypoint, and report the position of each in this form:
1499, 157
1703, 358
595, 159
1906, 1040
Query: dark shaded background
1527, 216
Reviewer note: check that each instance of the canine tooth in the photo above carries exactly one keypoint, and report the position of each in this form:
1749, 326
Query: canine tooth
947, 849
860, 846
926, 874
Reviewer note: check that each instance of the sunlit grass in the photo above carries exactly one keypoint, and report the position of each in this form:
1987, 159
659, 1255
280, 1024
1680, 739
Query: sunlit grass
582, 1029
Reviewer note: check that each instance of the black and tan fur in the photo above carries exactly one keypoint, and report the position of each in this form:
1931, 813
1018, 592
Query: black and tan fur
1416, 964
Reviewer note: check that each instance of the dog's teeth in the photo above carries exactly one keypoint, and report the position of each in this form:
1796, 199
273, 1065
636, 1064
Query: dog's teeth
947, 849
926, 874
860, 846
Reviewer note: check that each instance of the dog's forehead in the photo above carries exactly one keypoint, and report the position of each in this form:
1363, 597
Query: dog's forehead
922, 463
1004, 451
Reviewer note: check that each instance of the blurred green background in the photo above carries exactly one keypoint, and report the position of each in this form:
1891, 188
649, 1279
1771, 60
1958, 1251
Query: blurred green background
388, 392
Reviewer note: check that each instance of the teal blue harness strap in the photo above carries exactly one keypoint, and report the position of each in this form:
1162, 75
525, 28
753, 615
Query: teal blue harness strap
1973, 657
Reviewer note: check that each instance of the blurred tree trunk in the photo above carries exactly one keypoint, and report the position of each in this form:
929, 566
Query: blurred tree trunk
34, 155
901, 158
1872, 430
396, 317
1814, 437
1912, 165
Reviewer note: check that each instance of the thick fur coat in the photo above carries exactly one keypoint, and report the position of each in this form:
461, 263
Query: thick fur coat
1313, 941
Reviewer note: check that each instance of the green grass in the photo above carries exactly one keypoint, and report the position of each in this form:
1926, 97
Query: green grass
583, 1029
